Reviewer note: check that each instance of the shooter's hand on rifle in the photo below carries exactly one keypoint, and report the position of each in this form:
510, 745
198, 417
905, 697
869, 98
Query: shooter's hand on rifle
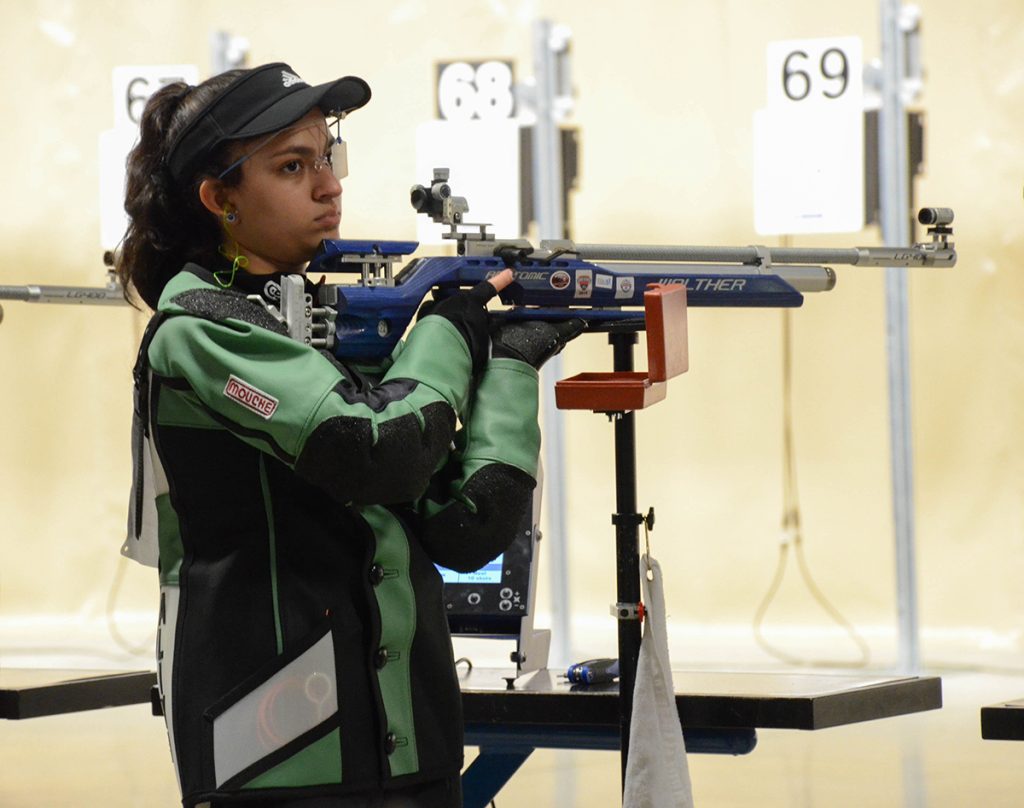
533, 341
467, 311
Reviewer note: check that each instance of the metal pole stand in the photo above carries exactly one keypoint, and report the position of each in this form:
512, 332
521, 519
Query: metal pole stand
627, 556
618, 395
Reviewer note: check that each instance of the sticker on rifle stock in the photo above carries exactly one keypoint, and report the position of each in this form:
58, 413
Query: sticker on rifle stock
250, 397
584, 282
603, 281
624, 288
560, 280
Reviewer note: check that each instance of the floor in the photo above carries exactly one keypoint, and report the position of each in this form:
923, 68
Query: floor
118, 758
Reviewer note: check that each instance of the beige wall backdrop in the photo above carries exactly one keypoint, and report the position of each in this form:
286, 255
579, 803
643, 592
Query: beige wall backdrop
666, 91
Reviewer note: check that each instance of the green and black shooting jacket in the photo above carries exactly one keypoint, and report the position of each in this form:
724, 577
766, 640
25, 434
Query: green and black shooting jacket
296, 507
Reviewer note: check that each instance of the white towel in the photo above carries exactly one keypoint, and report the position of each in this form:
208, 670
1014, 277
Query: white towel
657, 775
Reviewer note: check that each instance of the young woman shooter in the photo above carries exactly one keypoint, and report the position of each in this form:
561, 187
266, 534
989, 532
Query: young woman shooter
295, 504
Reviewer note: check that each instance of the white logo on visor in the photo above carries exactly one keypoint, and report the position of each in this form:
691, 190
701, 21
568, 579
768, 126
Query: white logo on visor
288, 79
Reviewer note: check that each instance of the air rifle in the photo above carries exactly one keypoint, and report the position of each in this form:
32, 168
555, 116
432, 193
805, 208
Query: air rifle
602, 284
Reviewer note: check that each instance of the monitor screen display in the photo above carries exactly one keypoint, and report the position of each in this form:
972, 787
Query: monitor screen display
492, 600
488, 574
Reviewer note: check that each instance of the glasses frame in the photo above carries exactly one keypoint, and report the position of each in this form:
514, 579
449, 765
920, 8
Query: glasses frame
336, 157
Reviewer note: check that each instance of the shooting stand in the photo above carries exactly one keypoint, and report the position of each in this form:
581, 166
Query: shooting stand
618, 395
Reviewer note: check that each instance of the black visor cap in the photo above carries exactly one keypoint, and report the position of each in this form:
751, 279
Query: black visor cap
260, 101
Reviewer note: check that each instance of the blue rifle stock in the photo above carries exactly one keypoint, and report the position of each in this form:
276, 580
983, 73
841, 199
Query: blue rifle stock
372, 316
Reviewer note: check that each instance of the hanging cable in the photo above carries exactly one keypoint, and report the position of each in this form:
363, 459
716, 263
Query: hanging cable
135, 649
792, 534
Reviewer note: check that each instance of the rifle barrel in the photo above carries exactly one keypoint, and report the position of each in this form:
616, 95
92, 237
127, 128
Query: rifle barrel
753, 256
80, 295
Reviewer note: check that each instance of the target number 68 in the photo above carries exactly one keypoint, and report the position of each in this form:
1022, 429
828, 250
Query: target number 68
475, 90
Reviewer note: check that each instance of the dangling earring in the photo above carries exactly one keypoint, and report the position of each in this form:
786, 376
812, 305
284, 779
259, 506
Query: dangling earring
230, 216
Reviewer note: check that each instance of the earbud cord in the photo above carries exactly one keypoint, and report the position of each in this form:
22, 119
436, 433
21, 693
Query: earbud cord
237, 261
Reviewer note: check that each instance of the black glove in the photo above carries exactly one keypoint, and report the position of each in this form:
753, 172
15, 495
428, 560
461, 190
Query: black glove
467, 311
533, 341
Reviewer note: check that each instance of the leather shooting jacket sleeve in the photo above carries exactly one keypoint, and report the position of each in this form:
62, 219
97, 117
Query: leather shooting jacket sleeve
361, 444
476, 502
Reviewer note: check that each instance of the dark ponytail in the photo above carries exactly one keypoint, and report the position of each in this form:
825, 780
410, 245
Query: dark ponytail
168, 225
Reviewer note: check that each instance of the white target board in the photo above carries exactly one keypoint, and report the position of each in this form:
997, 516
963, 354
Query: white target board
809, 140
132, 87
